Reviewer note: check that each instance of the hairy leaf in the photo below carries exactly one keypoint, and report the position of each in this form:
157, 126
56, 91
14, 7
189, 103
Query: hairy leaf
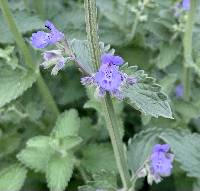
14, 83
186, 147
67, 124
37, 153
146, 95
12, 178
59, 171
98, 157
139, 148
83, 57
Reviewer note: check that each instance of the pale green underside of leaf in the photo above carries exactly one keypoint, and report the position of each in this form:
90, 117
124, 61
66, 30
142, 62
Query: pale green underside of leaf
68, 124
12, 178
146, 95
98, 157
83, 56
14, 83
59, 171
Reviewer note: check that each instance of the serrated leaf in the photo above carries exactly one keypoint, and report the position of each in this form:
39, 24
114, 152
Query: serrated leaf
81, 50
9, 144
68, 143
14, 83
37, 153
146, 95
12, 178
67, 124
186, 147
94, 157
140, 147
59, 171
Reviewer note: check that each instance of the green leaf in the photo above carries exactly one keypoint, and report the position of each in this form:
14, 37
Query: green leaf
59, 171
98, 157
68, 143
12, 178
186, 147
139, 148
14, 83
67, 124
83, 57
9, 144
146, 95
168, 53
37, 153
32, 22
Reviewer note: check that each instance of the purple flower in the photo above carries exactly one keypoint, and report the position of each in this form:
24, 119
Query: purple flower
42, 39
186, 5
111, 59
109, 77
160, 163
179, 90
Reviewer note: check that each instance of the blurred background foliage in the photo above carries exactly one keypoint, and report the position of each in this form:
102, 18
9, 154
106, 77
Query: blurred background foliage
154, 43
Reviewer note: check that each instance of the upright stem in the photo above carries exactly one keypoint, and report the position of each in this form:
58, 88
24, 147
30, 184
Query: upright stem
39, 7
187, 44
91, 29
42, 87
110, 117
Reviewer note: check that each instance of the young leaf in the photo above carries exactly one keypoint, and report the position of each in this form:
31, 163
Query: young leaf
37, 153
59, 171
146, 95
12, 178
98, 157
14, 83
68, 124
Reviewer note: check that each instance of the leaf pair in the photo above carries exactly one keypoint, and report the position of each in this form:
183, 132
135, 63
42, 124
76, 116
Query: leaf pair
53, 155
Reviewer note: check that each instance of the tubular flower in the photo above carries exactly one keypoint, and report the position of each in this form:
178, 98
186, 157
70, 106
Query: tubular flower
42, 39
109, 78
179, 91
160, 163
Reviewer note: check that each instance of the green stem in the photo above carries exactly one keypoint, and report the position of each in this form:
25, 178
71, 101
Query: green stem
187, 44
110, 117
39, 7
42, 87
135, 24
91, 29
118, 147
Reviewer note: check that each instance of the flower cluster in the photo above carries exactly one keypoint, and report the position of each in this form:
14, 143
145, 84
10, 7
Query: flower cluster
109, 77
42, 39
184, 5
160, 163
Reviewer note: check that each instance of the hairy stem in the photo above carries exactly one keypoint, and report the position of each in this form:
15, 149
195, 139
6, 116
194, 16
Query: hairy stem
110, 117
187, 44
42, 87
91, 29
39, 7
